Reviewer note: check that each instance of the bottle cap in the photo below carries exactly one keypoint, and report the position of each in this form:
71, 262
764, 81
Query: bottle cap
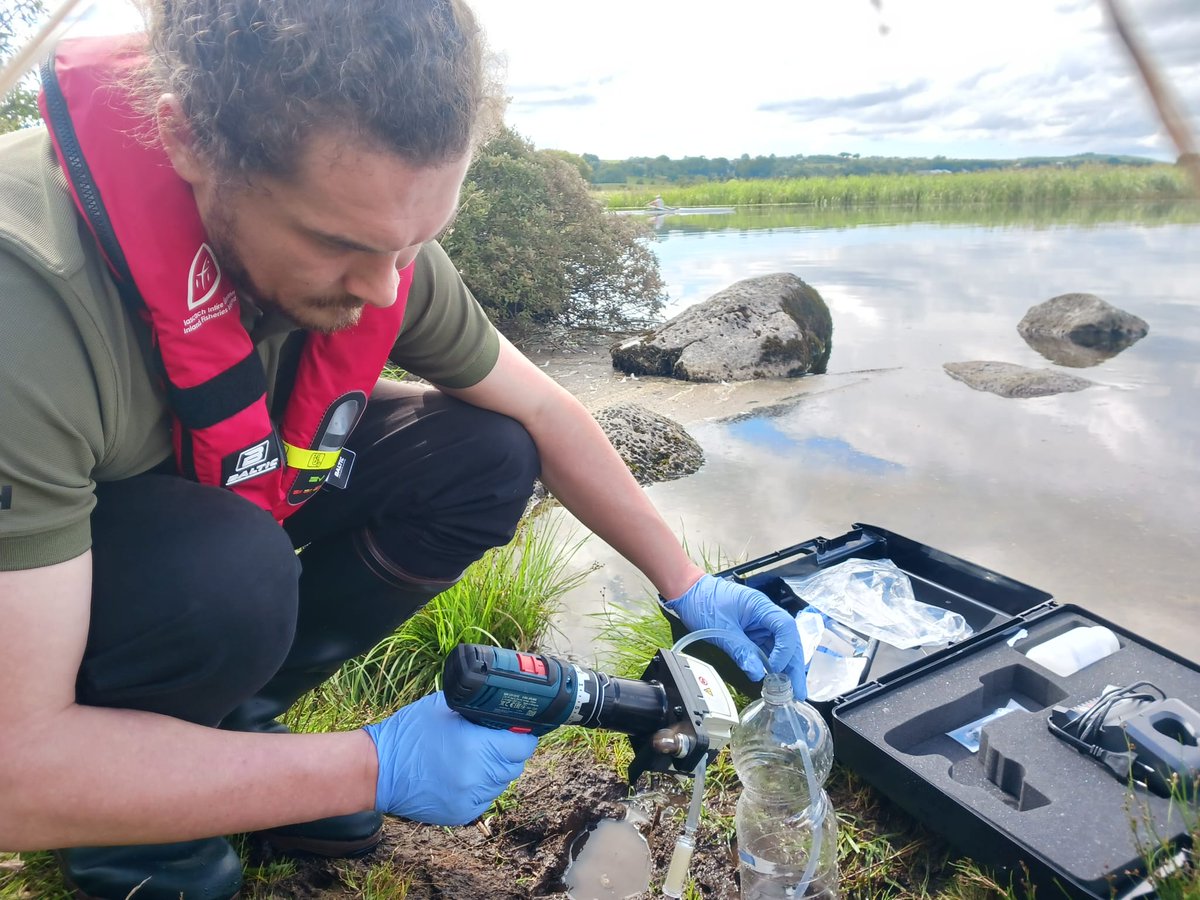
777, 688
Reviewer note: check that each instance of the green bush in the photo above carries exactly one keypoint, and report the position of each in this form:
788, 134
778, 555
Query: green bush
534, 247
18, 108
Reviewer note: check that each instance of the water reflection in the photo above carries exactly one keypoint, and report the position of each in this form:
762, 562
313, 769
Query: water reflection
1032, 217
1066, 352
817, 450
1094, 496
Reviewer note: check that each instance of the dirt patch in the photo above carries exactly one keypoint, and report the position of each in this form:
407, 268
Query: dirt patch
522, 850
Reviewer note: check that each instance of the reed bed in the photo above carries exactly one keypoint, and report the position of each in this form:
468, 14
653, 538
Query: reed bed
1015, 186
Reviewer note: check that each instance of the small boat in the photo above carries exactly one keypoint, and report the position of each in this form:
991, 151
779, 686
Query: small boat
691, 211
676, 211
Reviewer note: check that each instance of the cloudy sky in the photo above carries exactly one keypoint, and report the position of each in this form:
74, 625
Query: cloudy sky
891, 77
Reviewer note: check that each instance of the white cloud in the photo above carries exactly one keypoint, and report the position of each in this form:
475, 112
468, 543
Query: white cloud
694, 77
820, 77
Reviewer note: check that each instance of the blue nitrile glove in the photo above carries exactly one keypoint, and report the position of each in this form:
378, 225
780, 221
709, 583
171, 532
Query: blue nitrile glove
717, 603
436, 767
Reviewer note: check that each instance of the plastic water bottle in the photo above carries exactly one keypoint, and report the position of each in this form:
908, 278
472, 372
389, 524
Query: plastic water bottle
786, 827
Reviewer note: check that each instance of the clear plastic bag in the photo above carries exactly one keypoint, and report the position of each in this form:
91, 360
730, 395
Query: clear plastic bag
874, 597
833, 655
969, 735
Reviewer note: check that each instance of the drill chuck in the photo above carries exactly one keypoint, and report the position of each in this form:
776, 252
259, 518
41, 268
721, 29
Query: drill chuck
532, 692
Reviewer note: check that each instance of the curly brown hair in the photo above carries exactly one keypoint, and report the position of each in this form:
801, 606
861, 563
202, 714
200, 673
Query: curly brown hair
256, 77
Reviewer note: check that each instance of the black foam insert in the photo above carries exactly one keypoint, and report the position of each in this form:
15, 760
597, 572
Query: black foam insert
1060, 804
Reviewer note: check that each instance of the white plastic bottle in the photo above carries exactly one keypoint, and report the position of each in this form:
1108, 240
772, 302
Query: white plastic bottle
786, 827
1076, 649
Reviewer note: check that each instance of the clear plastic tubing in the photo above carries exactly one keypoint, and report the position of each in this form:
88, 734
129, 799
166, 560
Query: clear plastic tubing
708, 634
681, 857
818, 832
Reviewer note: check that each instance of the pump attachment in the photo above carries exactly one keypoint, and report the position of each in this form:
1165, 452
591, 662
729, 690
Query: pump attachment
677, 713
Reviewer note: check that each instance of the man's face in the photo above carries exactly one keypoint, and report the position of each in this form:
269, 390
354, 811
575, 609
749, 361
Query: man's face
321, 245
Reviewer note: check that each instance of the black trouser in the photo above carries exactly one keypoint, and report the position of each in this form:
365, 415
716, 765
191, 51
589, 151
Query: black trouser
200, 603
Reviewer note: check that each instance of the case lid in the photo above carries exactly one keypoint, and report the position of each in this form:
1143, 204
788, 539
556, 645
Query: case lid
987, 599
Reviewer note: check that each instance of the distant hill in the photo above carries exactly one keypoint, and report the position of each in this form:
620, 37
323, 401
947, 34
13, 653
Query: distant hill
691, 169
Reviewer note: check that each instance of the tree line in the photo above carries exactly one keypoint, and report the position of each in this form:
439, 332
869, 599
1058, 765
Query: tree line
695, 169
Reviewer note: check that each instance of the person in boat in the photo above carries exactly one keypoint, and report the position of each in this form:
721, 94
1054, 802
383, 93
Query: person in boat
208, 498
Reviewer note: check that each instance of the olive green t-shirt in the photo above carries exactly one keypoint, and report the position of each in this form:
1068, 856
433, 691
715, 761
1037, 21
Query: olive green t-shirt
79, 400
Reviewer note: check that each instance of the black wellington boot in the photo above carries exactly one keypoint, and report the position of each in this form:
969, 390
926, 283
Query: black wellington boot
349, 601
192, 870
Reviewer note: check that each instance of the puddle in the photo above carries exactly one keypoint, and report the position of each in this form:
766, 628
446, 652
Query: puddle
609, 861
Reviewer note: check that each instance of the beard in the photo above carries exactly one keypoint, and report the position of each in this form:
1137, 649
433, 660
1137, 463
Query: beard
323, 313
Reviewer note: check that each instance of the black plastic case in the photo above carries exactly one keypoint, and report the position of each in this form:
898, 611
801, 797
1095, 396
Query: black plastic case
1025, 801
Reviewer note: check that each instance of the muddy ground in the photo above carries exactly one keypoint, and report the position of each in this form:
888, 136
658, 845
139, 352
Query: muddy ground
581, 363
522, 851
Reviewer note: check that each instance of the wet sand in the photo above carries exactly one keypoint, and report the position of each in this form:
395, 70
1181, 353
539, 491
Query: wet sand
584, 367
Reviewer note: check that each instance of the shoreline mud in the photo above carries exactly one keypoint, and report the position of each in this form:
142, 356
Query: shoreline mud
582, 364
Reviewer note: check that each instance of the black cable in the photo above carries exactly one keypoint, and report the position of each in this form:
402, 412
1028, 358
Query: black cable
1083, 733
1088, 725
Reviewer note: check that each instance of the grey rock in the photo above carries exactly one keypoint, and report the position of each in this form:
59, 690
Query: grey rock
770, 326
654, 447
1010, 380
1080, 330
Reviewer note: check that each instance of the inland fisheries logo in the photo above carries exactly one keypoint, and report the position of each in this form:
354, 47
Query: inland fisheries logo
203, 278
204, 283
254, 461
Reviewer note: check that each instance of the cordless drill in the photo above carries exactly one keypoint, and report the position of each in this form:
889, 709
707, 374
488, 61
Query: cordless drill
675, 714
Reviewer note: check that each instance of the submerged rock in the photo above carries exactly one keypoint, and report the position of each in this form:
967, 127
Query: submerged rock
654, 447
1010, 380
1080, 330
771, 326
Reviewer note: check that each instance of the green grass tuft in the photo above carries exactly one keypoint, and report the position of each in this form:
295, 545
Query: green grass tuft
507, 599
381, 881
31, 876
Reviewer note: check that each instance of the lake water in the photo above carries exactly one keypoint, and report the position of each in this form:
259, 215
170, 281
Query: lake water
1092, 496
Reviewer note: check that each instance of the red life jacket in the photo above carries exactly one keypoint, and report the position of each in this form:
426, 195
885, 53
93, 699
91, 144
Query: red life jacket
145, 221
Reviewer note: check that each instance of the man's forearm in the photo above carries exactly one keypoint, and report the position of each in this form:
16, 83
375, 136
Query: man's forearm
581, 468
90, 776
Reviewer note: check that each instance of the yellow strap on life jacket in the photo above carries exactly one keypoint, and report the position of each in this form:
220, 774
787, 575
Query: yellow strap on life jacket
312, 460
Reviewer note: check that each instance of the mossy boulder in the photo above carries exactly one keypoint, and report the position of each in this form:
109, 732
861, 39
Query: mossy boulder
654, 447
770, 326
